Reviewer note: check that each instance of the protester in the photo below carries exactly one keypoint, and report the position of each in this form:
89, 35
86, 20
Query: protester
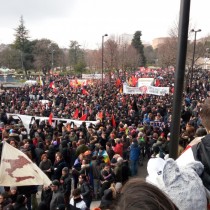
134, 157
77, 201
20, 203
86, 190
57, 196
12, 194
58, 165
46, 197
200, 150
111, 194
66, 182
45, 165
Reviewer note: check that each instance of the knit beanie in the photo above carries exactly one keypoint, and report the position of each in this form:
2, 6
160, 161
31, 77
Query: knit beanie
182, 184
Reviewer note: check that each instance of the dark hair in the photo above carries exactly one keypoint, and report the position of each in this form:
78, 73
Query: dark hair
76, 192
84, 177
205, 114
138, 194
200, 132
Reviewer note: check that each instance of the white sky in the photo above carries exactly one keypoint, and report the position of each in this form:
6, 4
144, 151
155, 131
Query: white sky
87, 20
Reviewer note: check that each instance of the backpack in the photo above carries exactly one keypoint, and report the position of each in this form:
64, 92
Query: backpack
200, 154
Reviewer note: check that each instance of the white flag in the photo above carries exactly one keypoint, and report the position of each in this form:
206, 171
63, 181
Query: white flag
17, 169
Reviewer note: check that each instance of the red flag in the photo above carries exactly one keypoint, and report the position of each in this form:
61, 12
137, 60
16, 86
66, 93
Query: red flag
84, 92
134, 81
55, 90
50, 118
52, 85
76, 113
113, 121
118, 82
157, 82
84, 117
100, 115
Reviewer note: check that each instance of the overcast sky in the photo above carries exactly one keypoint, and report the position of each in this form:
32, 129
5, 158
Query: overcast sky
87, 20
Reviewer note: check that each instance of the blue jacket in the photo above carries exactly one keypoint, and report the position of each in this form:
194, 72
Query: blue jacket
134, 151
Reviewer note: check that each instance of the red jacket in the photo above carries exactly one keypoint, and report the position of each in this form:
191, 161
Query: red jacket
118, 149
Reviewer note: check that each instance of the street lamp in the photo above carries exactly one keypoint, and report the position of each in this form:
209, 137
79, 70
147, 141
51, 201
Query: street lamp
193, 58
102, 63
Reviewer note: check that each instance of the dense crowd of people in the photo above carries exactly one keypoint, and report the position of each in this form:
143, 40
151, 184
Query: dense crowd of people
93, 162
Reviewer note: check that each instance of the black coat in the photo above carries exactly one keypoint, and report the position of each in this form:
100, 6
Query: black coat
201, 152
66, 185
57, 169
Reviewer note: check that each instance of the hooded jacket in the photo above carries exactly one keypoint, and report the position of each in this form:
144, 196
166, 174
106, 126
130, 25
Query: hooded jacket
134, 151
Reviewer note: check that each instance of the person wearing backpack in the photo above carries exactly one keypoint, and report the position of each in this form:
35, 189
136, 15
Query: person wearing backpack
86, 190
200, 151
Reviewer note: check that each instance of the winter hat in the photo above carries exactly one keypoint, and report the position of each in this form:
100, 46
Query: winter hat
182, 184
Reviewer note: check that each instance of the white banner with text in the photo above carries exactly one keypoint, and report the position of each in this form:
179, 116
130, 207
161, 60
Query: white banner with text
145, 89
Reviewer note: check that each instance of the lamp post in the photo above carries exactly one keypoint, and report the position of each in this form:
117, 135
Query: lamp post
193, 58
102, 63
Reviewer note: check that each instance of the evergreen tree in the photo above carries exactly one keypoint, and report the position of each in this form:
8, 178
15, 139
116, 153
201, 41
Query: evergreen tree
21, 36
24, 46
76, 57
137, 44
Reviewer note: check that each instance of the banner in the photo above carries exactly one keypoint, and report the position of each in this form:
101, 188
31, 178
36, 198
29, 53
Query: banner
17, 169
145, 81
145, 89
28, 121
91, 76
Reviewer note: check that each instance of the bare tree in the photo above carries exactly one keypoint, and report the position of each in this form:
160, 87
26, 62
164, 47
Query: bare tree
43, 55
93, 60
111, 56
166, 52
